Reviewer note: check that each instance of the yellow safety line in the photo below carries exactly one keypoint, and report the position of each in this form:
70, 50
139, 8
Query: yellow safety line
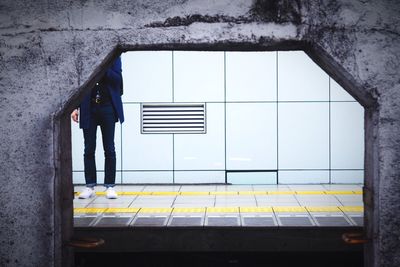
155, 210
281, 192
189, 210
201, 193
224, 193
123, 193
352, 208
255, 209
89, 210
265, 209
195, 193
323, 209
339, 192
310, 192
122, 210
252, 192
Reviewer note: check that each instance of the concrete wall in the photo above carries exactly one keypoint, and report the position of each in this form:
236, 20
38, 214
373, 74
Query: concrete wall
50, 52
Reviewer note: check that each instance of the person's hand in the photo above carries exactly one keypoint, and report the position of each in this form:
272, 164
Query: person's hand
75, 115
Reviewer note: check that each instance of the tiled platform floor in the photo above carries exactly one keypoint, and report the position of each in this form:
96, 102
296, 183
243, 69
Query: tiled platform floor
222, 205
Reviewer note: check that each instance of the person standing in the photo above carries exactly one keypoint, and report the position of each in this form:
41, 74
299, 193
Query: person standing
102, 107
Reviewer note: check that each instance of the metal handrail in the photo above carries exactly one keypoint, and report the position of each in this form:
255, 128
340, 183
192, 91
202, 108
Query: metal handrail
354, 238
86, 242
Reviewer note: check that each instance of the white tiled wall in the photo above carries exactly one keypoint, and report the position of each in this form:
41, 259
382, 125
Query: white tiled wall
150, 152
303, 134
147, 76
272, 116
300, 79
198, 76
251, 76
203, 151
245, 124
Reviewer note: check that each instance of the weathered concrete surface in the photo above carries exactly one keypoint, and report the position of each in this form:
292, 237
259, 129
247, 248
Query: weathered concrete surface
49, 51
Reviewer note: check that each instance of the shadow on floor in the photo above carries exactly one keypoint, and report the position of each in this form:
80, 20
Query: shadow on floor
248, 259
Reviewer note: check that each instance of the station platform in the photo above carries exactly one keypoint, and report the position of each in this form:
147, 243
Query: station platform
316, 205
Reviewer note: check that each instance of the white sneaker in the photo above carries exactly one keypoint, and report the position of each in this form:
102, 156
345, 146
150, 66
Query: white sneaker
111, 194
88, 192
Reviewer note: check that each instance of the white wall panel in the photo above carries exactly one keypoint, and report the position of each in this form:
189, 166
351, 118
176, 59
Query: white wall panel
78, 177
303, 177
347, 177
147, 76
147, 177
203, 151
300, 79
251, 76
347, 135
252, 177
198, 76
338, 93
199, 177
251, 136
77, 144
144, 151
303, 135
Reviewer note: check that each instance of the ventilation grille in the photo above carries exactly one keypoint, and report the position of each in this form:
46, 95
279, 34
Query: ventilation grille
174, 118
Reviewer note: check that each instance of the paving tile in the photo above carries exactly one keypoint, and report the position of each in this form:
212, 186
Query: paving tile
222, 211
149, 221
150, 205
276, 203
129, 188
80, 205
186, 221
120, 199
351, 203
332, 220
276, 198
316, 198
194, 199
311, 187
234, 188
155, 198
258, 221
83, 221
109, 205
318, 204
192, 205
200, 188
234, 203
270, 188
349, 198
113, 221
342, 187
295, 220
162, 188
222, 221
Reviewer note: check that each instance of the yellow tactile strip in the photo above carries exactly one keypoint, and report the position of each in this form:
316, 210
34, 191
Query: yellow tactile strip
201, 193
276, 209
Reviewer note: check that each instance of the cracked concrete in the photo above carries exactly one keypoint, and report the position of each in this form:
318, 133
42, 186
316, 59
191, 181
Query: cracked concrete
51, 51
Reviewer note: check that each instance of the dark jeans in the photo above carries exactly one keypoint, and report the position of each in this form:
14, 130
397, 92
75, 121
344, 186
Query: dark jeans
105, 117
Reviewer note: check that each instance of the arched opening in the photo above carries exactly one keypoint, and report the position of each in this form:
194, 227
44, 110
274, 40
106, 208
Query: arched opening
66, 161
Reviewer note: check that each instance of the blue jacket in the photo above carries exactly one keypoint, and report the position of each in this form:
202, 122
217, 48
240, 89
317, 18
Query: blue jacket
112, 80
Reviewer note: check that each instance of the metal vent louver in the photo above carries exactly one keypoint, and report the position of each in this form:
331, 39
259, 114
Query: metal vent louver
174, 118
